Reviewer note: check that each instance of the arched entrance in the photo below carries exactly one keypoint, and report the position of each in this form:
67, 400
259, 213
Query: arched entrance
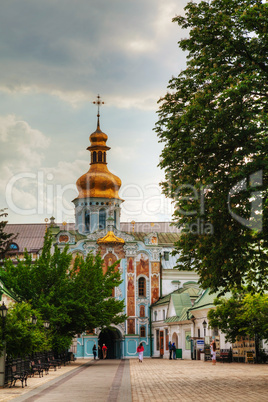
113, 340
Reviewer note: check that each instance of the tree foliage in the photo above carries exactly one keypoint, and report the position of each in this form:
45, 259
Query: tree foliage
74, 299
241, 315
5, 238
213, 123
21, 336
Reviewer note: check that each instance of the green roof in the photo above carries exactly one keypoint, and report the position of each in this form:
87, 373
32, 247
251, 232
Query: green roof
163, 238
206, 299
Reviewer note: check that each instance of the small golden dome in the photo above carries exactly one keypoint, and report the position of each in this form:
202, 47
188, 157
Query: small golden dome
98, 138
111, 239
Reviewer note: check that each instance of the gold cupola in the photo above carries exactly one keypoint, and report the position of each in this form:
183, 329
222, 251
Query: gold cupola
98, 182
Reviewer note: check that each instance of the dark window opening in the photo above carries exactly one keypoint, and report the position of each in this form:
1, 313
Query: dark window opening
142, 332
87, 221
104, 157
114, 218
142, 289
99, 156
94, 157
102, 219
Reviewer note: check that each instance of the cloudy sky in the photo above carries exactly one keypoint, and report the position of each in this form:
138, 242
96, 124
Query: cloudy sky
55, 57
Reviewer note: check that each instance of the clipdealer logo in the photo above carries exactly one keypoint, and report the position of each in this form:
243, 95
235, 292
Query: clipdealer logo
255, 221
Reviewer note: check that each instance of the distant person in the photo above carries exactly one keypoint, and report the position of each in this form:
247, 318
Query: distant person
170, 350
140, 350
174, 350
104, 351
94, 350
213, 351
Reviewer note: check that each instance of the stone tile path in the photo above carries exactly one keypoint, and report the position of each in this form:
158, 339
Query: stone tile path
185, 380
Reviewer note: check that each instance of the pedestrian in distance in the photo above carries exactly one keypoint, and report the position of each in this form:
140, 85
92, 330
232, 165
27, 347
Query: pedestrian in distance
213, 351
170, 350
104, 351
174, 350
140, 350
94, 350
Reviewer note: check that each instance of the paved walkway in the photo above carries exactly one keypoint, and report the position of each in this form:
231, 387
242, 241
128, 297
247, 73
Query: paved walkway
153, 380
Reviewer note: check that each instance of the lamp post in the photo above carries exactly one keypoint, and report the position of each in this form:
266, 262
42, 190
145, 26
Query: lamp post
3, 314
46, 324
204, 326
34, 319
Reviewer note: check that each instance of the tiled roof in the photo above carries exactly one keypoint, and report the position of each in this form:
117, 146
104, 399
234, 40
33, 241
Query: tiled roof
28, 236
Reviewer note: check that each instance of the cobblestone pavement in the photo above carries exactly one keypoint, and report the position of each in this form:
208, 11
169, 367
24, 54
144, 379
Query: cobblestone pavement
185, 380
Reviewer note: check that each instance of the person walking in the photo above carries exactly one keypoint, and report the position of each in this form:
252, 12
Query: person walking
140, 350
174, 350
170, 350
94, 350
104, 351
213, 351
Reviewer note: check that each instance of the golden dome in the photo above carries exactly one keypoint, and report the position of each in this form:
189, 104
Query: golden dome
98, 182
111, 239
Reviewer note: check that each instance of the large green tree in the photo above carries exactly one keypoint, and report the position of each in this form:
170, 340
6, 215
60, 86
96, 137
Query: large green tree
213, 123
73, 299
241, 315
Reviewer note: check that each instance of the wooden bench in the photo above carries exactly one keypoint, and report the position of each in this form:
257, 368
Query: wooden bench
36, 368
52, 363
18, 375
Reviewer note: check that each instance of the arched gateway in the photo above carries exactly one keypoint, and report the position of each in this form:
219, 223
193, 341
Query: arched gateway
113, 340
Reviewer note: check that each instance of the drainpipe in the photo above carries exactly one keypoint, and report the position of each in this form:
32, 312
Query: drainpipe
150, 331
160, 257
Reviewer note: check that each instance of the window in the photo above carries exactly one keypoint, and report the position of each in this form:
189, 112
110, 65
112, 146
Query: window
142, 332
115, 219
164, 315
166, 255
155, 315
94, 157
13, 246
87, 221
102, 219
142, 287
104, 157
99, 156
142, 311
157, 340
198, 332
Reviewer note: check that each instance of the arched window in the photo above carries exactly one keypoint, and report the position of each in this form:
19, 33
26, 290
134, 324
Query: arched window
142, 287
142, 332
13, 246
142, 311
99, 156
87, 221
115, 219
102, 219
94, 157
104, 157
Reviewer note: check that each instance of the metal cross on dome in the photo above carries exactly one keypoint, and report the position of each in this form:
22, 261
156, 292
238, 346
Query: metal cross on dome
98, 103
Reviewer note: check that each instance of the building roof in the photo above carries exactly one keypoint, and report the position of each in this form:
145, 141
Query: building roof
28, 236
206, 300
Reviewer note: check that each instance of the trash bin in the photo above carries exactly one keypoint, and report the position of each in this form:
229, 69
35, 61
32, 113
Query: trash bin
178, 353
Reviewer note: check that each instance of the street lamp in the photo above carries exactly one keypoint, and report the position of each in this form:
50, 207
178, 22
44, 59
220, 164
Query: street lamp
204, 326
46, 324
34, 319
3, 310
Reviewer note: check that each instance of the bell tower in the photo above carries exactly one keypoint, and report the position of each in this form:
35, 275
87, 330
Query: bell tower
98, 199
